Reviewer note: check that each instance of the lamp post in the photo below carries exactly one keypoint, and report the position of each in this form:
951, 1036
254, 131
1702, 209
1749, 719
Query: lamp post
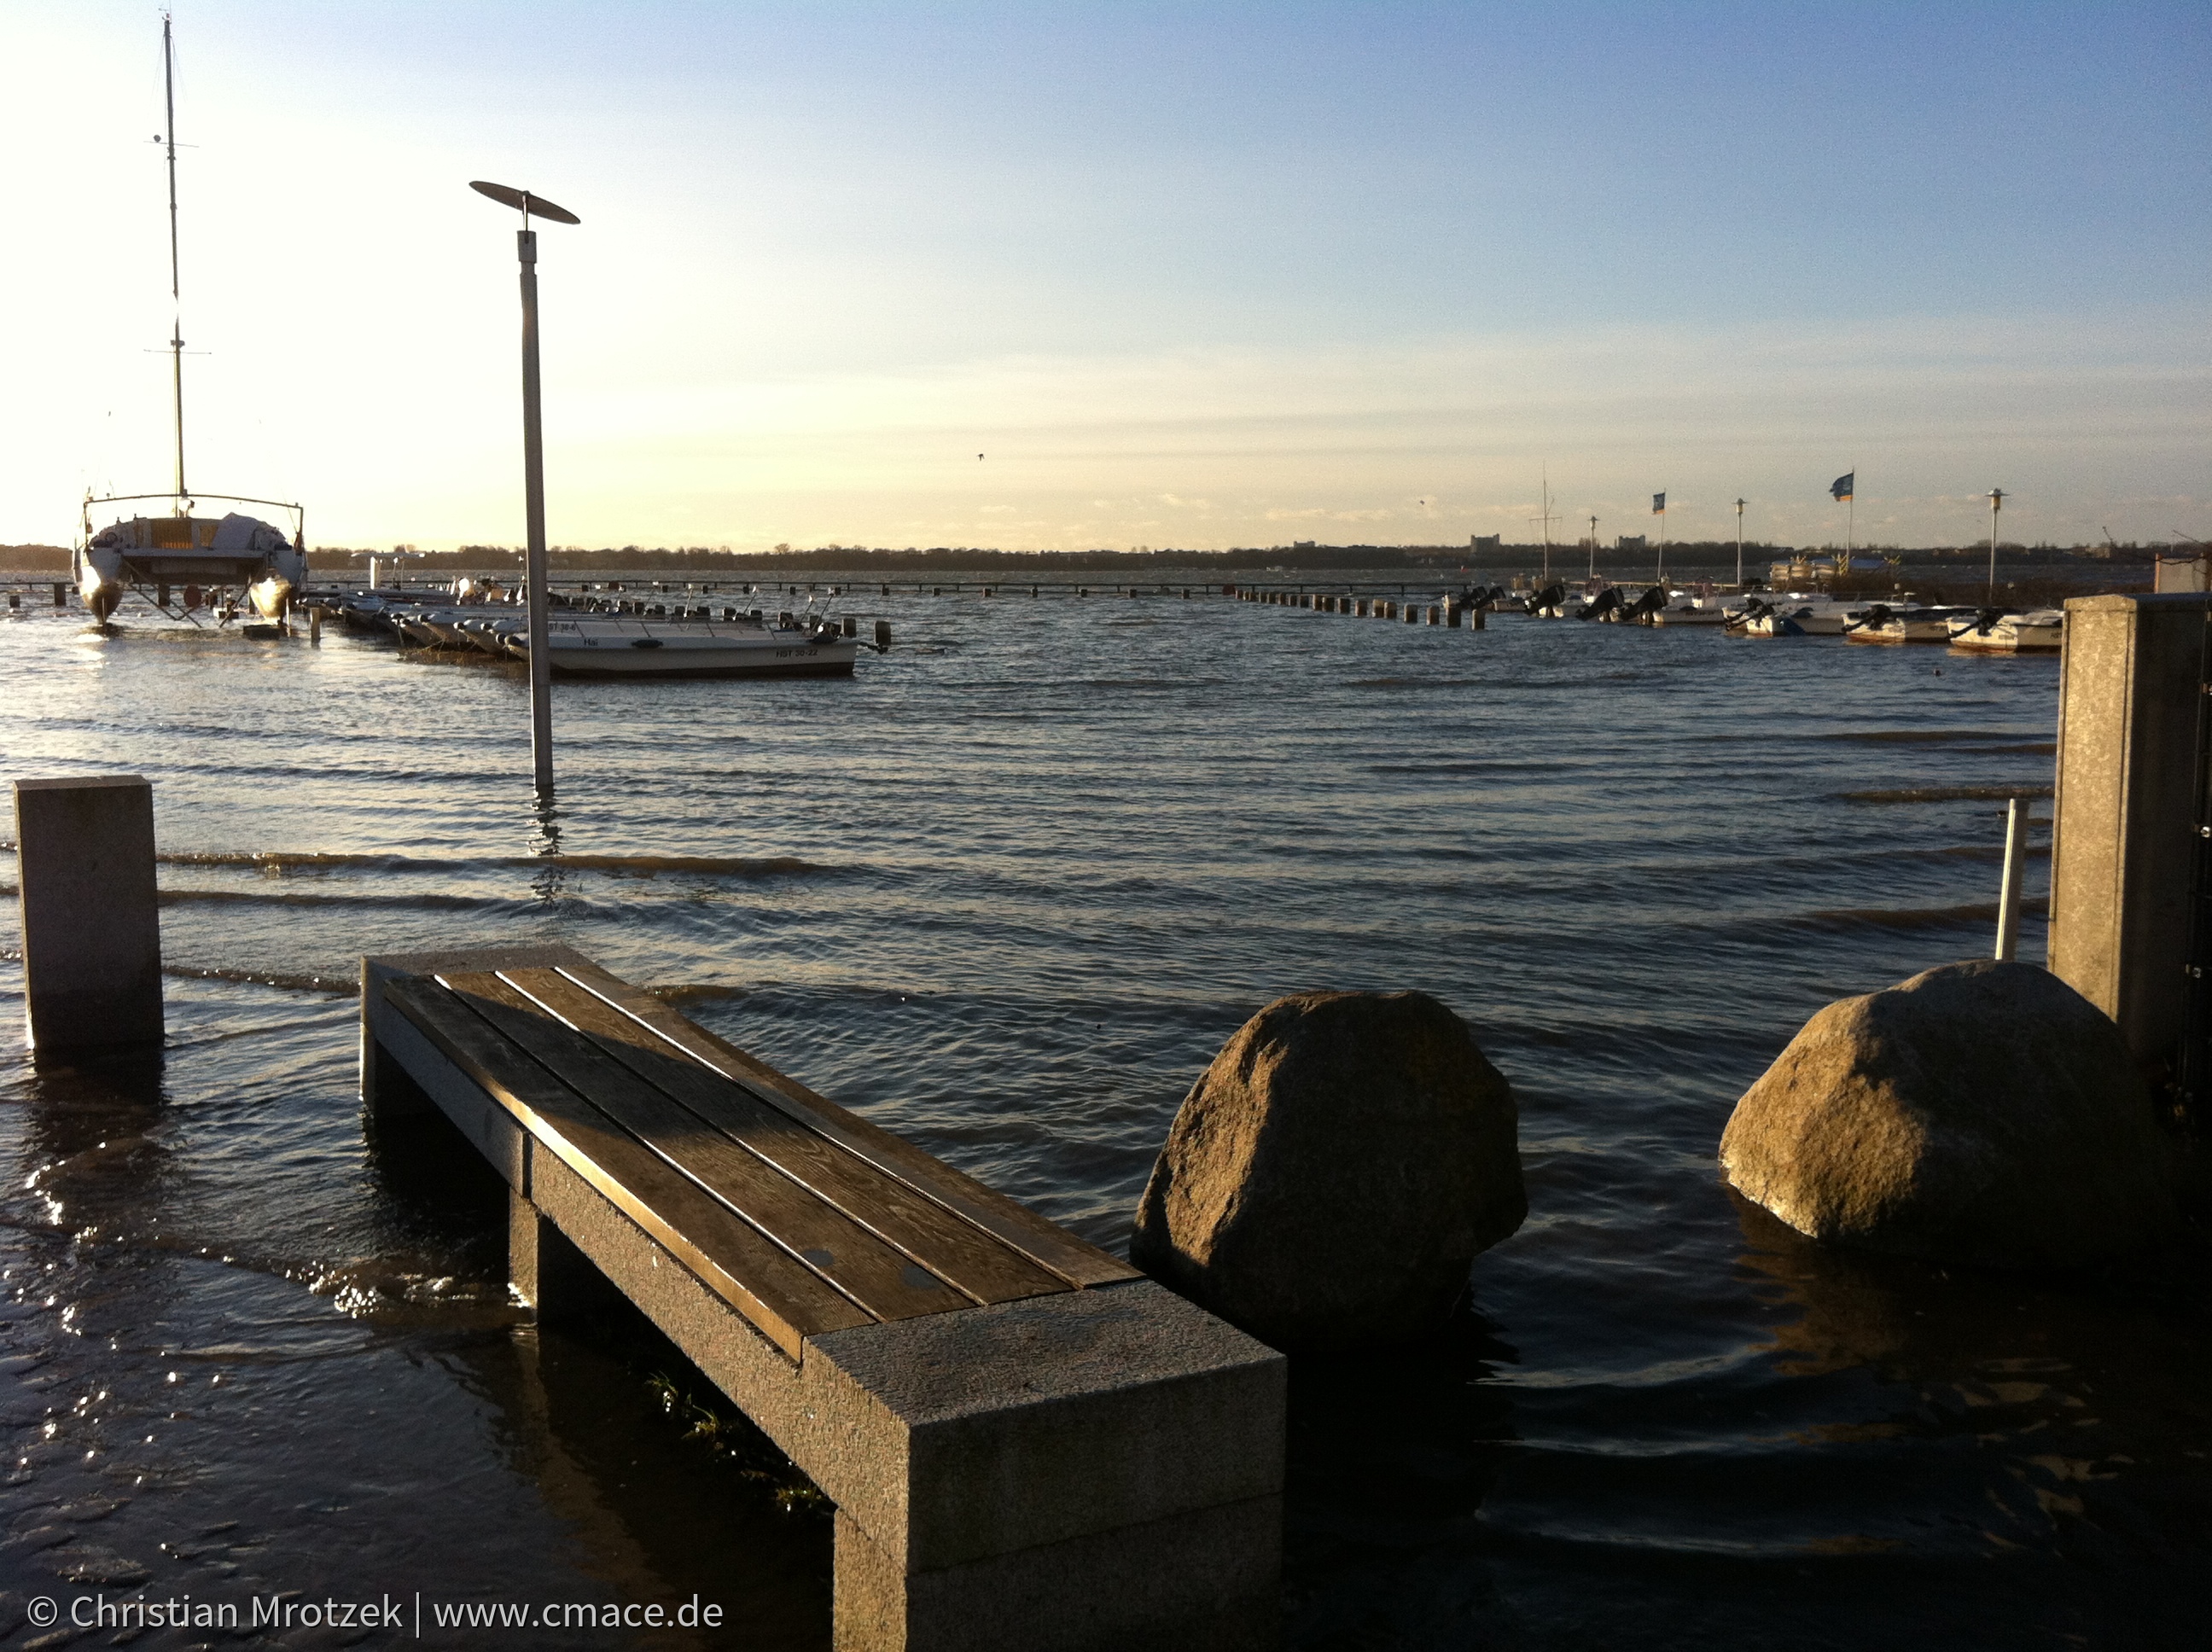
1996, 504
533, 473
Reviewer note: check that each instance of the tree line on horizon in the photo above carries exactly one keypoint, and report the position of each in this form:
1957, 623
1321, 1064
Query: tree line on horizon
733, 564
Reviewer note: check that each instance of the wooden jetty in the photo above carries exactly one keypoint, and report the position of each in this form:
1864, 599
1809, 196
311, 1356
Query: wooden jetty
1028, 1443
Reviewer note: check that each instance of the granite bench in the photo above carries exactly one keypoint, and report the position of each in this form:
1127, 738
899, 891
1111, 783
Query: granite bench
1029, 1444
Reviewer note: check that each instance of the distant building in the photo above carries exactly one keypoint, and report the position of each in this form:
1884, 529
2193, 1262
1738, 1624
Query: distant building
1484, 541
1631, 542
1302, 545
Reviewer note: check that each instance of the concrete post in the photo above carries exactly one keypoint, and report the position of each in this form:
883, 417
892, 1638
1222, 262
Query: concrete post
92, 933
2125, 832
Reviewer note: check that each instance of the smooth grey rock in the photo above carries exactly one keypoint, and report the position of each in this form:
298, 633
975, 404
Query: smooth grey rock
1984, 1114
1332, 1174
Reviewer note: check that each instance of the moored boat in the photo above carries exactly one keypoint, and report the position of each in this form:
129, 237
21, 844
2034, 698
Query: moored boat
1879, 623
184, 548
749, 646
1994, 630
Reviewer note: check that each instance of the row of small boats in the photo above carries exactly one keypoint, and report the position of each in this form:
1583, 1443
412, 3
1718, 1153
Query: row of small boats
1987, 629
606, 637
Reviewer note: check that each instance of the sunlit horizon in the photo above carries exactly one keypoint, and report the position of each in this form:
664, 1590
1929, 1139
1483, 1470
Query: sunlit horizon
1107, 277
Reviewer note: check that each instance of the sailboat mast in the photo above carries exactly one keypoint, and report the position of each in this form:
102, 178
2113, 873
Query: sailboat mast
176, 303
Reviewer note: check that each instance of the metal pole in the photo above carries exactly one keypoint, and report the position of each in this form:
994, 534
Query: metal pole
2008, 896
1738, 544
1997, 502
533, 482
176, 301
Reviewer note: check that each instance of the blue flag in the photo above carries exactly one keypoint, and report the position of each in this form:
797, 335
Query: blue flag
1841, 486
1658, 504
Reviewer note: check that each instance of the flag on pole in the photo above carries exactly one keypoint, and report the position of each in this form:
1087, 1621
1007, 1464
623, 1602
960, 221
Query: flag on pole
1658, 504
1841, 486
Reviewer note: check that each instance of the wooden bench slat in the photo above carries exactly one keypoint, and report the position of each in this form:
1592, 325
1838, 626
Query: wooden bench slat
1036, 1237
784, 1298
983, 1266
879, 1278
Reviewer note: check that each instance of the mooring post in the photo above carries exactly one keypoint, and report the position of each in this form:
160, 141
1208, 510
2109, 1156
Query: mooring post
2008, 891
61, 595
92, 931
2127, 844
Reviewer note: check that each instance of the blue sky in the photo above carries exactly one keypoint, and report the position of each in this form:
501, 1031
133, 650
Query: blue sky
1187, 275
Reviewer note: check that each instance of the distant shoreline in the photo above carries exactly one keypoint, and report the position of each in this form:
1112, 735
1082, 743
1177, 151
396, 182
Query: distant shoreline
1253, 563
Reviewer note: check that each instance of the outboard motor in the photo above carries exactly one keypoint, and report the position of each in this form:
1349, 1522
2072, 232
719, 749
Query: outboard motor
1639, 611
1550, 596
1872, 619
1600, 605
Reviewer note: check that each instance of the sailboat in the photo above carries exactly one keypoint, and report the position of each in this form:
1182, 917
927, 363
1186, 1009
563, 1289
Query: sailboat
153, 551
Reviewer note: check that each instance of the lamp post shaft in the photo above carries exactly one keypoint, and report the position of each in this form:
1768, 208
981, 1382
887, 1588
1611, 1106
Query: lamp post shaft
533, 476
1997, 502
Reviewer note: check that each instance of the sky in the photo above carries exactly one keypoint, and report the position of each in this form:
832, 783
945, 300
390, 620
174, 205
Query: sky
1059, 275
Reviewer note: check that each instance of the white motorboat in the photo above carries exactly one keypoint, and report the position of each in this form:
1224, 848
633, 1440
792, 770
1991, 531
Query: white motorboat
1759, 617
1879, 622
1995, 631
1689, 608
185, 548
748, 645
1815, 614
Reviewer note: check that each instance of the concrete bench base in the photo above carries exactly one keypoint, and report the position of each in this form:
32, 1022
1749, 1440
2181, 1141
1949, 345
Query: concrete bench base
1056, 1474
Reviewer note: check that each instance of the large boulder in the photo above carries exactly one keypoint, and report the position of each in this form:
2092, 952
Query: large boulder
1983, 1114
1333, 1173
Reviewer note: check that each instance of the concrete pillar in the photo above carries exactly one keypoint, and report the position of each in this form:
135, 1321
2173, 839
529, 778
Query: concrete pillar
2125, 838
92, 933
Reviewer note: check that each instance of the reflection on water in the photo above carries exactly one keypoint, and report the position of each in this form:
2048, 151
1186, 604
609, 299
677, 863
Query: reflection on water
1007, 889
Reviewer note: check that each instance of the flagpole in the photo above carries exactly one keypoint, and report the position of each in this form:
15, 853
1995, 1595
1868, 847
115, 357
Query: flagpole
1851, 515
1738, 544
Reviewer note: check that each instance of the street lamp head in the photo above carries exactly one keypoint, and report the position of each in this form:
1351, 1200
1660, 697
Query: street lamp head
531, 206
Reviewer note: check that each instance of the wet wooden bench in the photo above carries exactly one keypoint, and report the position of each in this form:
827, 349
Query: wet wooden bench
1028, 1443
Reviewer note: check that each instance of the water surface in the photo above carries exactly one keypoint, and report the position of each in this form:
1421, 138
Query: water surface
1007, 890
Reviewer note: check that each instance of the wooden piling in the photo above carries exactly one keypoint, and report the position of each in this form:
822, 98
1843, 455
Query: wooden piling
883, 636
314, 628
61, 595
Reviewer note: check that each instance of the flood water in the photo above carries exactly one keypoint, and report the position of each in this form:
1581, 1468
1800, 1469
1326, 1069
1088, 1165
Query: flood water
1006, 892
